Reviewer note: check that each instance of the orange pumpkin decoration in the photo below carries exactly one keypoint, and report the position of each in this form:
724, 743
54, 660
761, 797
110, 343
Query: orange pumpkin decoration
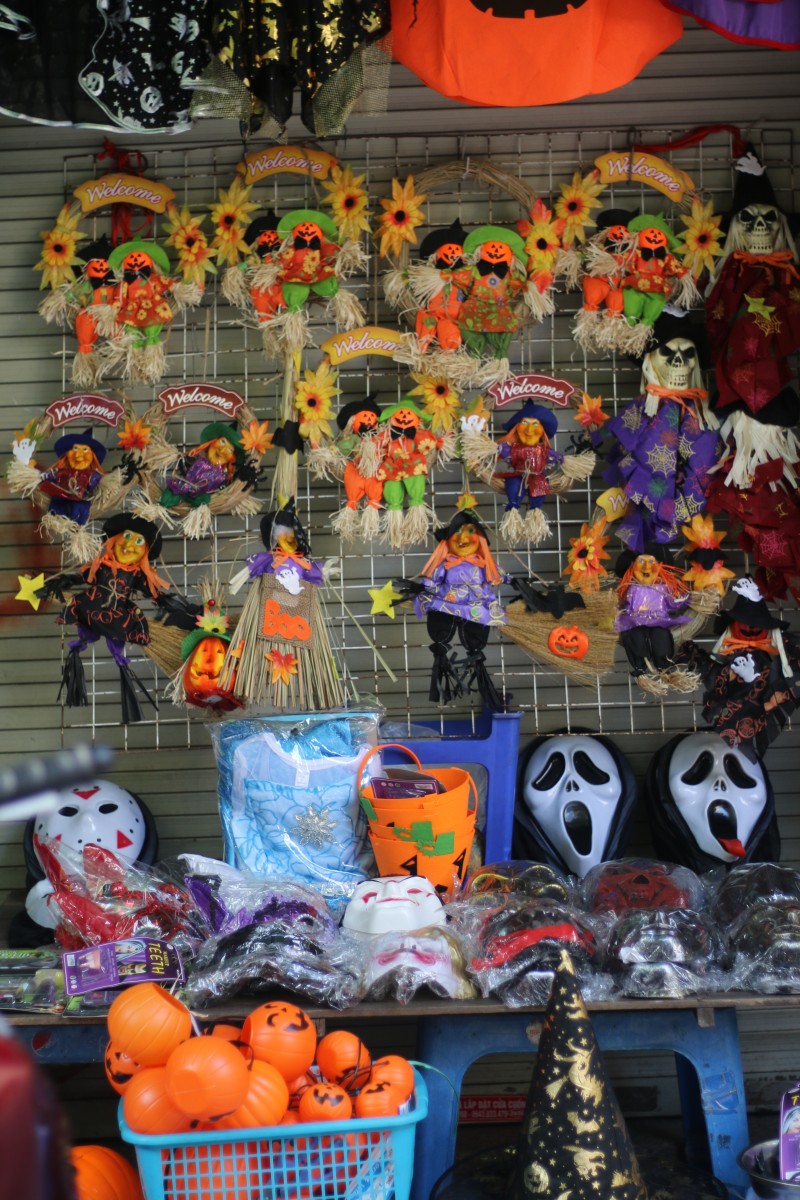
283, 1035
568, 642
210, 1172
299, 1085
120, 1068
147, 1023
207, 1078
325, 1102
266, 1101
147, 1106
102, 1174
344, 1059
394, 1070
380, 1099
229, 1033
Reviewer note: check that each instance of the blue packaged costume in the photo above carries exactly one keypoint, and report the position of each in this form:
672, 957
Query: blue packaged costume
288, 798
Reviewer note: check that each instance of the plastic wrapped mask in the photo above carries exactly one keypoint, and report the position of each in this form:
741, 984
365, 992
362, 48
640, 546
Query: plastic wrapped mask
640, 883
401, 963
393, 904
665, 953
575, 802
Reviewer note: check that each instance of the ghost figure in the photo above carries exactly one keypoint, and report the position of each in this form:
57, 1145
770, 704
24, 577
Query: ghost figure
393, 904
97, 812
710, 804
574, 804
289, 578
746, 586
744, 666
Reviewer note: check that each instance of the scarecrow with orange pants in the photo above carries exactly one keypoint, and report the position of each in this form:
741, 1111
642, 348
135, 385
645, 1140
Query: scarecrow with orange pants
435, 286
407, 454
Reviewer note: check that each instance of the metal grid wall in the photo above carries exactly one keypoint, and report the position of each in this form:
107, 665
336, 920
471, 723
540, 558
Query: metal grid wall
209, 343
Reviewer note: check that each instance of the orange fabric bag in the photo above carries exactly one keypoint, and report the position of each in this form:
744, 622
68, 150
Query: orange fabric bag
515, 53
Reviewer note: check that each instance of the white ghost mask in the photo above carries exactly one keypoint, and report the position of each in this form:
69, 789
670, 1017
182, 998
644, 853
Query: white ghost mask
719, 792
393, 904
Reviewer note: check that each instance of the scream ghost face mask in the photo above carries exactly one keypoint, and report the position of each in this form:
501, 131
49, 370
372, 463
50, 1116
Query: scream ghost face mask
393, 904
574, 802
710, 803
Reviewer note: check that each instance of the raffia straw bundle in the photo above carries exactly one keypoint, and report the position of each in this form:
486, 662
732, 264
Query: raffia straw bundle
531, 630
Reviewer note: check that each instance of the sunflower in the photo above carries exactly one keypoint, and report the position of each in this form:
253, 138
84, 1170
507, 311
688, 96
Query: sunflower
701, 535
229, 215
438, 399
701, 238
59, 257
589, 412
312, 399
348, 201
574, 205
135, 435
282, 666
585, 558
256, 439
191, 244
401, 218
542, 242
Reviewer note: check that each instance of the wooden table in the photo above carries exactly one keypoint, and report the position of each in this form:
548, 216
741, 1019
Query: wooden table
702, 1032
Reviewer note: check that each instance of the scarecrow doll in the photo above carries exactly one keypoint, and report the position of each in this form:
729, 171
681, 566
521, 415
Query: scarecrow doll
207, 469
82, 303
653, 601
105, 606
529, 470
667, 440
606, 258
457, 595
753, 300
202, 657
492, 282
651, 276
143, 311
751, 678
408, 451
354, 458
281, 653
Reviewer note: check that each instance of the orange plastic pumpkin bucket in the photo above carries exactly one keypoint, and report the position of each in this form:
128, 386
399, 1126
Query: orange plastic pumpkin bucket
418, 848
460, 796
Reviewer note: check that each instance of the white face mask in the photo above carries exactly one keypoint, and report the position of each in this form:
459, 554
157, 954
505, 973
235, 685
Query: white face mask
719, 792
99, 812
572, 789
761, 227
394, 903
674, 364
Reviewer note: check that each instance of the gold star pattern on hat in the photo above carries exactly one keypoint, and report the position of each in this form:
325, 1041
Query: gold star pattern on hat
574, 1144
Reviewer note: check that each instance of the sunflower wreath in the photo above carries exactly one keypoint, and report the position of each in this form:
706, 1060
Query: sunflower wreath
120, 300
217, 475
277, 267
75, 490
468, 292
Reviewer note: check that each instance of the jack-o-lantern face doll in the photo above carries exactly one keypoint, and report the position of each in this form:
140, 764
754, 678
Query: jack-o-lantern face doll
432, 282
355, 458
457, 595
653, 601
492, 282
407, 454
143, 310
653, 276
203, 654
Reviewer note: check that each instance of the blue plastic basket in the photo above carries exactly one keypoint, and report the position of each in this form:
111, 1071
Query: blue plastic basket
326, 1160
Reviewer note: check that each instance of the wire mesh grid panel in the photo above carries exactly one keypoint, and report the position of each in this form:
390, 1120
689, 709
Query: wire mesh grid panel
382, 659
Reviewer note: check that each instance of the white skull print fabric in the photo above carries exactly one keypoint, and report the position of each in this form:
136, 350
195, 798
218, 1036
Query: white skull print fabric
710, 804
146, 61
574, 802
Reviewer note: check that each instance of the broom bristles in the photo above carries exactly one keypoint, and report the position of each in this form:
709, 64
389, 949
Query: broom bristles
346, 524
512, 527
197, 522
346, 310
22, 478
235, 287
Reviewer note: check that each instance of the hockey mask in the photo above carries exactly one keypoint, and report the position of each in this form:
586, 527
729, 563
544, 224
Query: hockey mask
574, 802
97, 812
760, 227
393, 904
719, 793
674, 362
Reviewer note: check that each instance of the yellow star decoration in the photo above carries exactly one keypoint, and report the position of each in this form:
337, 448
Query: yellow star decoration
28, 587
383, 599
757, 304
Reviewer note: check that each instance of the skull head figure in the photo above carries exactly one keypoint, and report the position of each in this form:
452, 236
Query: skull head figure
574, 803
719, 793
760, 226
673, 364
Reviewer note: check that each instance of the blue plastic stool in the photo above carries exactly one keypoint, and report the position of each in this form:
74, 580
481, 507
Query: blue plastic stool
492, 743
453, 1043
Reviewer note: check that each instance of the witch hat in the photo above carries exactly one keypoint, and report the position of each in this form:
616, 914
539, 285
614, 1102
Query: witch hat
574, 1139
452, 235
752, 184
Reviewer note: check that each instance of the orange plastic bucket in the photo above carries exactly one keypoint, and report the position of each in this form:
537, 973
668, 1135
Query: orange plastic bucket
416, 848
453, 805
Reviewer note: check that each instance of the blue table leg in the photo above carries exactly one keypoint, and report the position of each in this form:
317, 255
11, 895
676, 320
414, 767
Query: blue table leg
451, 1044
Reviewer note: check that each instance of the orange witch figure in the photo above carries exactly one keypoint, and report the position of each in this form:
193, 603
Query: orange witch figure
515, 53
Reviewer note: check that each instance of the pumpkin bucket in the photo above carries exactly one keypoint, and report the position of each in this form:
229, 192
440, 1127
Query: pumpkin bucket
419, 848
451, 806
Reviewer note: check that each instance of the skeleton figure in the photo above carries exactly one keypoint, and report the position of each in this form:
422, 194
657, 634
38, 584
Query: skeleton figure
575, 804
753, 304
666, 441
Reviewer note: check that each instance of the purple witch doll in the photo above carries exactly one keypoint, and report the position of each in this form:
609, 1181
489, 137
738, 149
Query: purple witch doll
667, 439
457, 595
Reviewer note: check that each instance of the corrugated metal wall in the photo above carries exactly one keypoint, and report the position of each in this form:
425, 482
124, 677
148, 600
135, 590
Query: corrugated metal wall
702, 79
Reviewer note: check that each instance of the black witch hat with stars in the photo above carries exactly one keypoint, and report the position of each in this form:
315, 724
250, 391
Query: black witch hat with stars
574, 1139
